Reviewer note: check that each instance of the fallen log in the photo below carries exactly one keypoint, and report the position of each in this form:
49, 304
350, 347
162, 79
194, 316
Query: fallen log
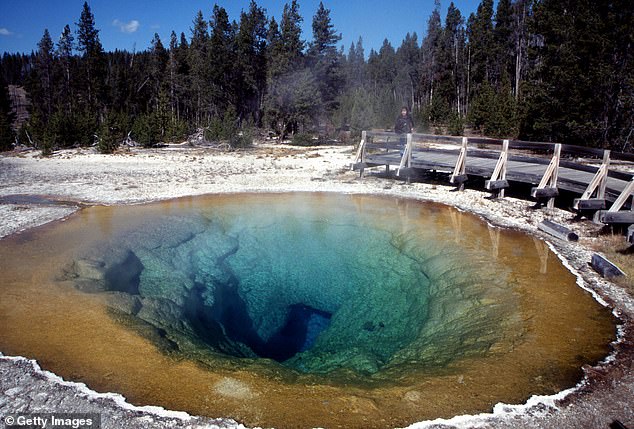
557, 230
604, 267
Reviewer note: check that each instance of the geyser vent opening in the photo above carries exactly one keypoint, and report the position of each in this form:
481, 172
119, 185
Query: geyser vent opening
227, 322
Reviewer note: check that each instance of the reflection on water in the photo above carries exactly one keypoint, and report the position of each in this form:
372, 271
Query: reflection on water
298, 310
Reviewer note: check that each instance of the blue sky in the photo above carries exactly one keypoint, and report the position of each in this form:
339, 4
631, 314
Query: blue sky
128, 24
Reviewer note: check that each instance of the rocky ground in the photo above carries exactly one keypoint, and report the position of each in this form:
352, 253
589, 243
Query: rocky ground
36, 190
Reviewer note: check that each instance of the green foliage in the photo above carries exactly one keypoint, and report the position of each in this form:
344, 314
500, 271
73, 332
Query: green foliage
494, 113
362, 115
293, 101
580, 90
439, 110
222, 128
42, 136
303, 139
456, 125
61, 130
227, 129
215, 130
250, 62
324, 60
7, 136
177, 130
421, 120
544, 70
291, 35
482, 107
93, 62
144, 130
242, 139
6, 133
110, 134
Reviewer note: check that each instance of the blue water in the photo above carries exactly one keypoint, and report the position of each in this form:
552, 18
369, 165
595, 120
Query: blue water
318, 284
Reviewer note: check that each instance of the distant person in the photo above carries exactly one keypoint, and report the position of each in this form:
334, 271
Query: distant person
403, 125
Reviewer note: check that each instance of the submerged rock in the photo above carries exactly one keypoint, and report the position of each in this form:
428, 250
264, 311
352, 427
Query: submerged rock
123, 302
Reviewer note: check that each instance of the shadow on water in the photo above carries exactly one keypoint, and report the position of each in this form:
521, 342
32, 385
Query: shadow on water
226, 325
126, 276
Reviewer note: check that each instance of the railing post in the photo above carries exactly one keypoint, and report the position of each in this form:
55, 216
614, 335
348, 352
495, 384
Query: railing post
547, 187
410, 145
458, 177
622, 198
406, 159
614, 214
598, 183
555, 175
498, 178
605, 165
364, 137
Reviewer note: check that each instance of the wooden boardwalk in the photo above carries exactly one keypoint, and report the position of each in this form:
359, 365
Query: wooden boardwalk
549, 167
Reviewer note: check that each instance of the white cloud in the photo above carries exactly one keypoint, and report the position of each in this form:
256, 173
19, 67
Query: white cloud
127, 27
5, 32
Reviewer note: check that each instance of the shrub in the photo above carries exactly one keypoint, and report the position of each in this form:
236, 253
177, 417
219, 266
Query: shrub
456, 125
111, 133
144, 130
242, 139
303, 139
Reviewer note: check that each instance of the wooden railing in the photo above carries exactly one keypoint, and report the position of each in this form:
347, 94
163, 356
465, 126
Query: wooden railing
414, 150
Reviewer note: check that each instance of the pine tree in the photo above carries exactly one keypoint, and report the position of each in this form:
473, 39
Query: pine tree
291, 37
480, 35
44, 64
453, 61
356, 66
324, 59
581, 83
482, 108
275, 61
159, 59
362, 115
109, 135
382, 70
293, 97
325, 37
408, 75
429, 55
93, 61
7, 137
221, 61
198, 65
251, 46
65, 55
505, 119
293, 102
503, 42
521, 15
172, 69
183, 86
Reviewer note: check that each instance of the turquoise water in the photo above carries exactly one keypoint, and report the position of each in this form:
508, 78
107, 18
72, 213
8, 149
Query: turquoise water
316, 284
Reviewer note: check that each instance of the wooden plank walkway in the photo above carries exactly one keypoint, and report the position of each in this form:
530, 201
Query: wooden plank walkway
548, 166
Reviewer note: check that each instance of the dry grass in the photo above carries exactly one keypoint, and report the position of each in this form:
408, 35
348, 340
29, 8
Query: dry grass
619, 252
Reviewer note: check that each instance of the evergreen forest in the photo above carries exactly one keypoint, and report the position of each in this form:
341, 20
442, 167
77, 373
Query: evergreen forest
539, 70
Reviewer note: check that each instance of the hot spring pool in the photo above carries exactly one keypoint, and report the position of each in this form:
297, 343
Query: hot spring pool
298, 310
